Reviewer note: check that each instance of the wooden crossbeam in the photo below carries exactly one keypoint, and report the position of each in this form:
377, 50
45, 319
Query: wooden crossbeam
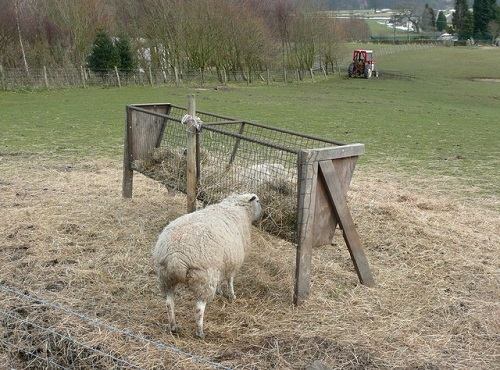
331, 177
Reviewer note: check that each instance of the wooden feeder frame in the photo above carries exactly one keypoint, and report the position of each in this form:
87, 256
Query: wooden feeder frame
323, 179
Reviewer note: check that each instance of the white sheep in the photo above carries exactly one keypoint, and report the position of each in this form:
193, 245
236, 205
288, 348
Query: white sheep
204, 250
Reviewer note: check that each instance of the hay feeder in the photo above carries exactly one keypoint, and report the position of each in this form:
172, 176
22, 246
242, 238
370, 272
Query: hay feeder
302, 180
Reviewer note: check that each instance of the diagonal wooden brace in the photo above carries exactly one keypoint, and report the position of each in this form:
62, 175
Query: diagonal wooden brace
344, 217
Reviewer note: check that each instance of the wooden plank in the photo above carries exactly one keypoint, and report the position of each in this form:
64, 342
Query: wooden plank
351, 237
191, 175
168, 108
128, 173
306, 193
147, 131
349, 150
325, 219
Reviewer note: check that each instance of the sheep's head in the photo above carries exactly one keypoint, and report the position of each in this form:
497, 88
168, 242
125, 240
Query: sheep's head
250, 201
255, 207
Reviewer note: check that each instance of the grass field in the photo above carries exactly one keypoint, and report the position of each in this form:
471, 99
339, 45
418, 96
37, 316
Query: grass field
425, 199
440, 122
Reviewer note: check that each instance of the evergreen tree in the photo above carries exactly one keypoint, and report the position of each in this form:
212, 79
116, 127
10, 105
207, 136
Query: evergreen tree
103, 56
462, 20
441, 22
428, 21
125, 55
484, 12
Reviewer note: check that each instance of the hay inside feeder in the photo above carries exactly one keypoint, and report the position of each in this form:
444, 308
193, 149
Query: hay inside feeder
277, 194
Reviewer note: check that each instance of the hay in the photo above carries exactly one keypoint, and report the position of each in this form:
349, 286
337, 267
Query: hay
277, 193
435, 260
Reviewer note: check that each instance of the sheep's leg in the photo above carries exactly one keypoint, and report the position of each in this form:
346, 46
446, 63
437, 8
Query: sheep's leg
200, 312
230, 286
204, 285
171, 311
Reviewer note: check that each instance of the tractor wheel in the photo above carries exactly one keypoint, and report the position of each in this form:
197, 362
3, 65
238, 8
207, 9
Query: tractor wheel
368, 73
350, 70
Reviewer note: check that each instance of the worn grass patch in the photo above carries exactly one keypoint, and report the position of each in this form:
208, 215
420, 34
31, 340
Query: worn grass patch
70, 238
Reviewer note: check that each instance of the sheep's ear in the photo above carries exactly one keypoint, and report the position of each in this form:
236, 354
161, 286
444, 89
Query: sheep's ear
252, 198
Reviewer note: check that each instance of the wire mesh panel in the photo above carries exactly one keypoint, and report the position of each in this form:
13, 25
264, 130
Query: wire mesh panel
229, 164
234, 156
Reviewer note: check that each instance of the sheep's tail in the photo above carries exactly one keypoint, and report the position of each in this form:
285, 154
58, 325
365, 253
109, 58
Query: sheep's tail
171, 271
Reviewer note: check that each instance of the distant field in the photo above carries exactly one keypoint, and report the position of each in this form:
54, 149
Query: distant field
441, 121
378, 29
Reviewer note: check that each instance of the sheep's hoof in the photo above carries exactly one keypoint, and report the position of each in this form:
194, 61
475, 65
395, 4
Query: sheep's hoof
174, 328
200, 334
231, 297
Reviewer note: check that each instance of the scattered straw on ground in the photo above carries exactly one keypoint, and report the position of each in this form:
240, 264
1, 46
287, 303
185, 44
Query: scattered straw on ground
66, 235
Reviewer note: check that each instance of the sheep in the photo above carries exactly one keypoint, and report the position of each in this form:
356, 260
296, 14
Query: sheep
204, 250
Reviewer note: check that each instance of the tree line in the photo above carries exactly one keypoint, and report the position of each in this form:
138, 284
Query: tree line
222, 35
483, 22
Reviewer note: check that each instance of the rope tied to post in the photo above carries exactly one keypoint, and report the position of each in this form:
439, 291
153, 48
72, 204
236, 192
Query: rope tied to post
192, 121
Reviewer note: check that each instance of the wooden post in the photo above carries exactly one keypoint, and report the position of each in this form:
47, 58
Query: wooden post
306, 203
351, 237
150, 76
128, 173
191, 175
312, 74
284, 75
297, 75
83, 77
45, 77
118, 77
224, 76
267, 76
2, 78
164, 75
176, 72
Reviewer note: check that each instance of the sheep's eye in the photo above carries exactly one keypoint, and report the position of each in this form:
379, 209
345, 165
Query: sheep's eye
252, 198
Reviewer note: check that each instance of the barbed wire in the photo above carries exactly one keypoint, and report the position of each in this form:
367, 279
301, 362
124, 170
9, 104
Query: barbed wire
51, 331
100, 323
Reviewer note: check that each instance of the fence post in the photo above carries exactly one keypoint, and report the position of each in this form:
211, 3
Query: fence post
2, 78
267, 76
176, 72
224, 76
45, 78
82, 76
118, 77
128, 173
284, 75
150, 76
312, 74
191, 175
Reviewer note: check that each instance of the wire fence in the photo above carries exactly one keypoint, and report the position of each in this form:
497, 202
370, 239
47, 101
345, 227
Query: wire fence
38, 333
18, 78
53, 77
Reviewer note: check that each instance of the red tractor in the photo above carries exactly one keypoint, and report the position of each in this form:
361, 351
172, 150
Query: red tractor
362, 64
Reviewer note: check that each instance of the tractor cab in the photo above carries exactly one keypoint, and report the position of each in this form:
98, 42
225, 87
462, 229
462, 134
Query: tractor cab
362, 64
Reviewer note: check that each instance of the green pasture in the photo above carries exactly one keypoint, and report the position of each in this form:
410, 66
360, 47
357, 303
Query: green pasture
441, 122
